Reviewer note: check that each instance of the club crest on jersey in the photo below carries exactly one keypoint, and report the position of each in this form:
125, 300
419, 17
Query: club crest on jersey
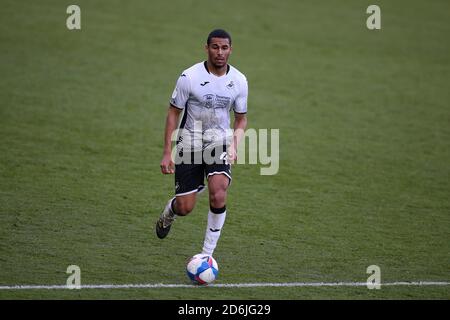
208, 100
230, 85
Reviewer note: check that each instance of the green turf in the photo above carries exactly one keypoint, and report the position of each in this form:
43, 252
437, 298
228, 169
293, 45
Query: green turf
364, 147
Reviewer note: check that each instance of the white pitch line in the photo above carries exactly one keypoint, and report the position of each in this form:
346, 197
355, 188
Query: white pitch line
225, 285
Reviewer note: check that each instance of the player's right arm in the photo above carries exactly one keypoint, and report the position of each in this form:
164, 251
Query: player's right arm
177, 103
167, 164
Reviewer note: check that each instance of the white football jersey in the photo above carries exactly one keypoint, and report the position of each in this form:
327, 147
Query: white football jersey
207, 101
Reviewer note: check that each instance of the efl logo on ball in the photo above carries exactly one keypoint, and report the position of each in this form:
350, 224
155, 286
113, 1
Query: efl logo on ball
202, 269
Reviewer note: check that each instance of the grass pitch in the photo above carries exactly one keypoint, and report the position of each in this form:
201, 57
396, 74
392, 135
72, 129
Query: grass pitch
364, 147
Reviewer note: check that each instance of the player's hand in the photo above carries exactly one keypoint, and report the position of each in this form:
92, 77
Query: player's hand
232, 154
167, 165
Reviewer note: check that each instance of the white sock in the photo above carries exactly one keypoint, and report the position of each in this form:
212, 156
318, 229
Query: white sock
213, 230
168, 210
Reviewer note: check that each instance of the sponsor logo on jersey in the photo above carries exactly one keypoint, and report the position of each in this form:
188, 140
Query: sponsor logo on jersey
216, 101
222, 102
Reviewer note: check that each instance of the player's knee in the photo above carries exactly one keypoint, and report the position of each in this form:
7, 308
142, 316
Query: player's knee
217, 198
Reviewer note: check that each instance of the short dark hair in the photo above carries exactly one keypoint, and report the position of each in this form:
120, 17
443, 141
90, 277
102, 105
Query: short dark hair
218, 33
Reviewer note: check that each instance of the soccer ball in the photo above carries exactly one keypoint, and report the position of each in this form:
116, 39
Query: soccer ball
202, 269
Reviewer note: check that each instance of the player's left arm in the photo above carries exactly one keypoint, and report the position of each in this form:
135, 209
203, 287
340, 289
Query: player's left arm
240, 120
240, 123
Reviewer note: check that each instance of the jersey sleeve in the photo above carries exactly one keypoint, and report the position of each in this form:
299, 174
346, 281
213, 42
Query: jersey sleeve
180, 94
240, 104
